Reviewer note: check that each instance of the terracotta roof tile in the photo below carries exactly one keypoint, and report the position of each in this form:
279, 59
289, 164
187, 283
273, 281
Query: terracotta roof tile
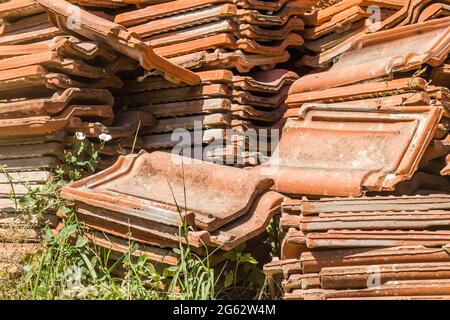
125, 42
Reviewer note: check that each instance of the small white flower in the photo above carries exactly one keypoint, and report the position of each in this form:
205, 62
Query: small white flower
105, 137
80, 136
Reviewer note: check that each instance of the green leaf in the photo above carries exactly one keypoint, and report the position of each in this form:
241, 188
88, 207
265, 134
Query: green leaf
170, 271
28, 269
71, 229
172, 268
232, 256
81, 242
48, 236
116, 264
90, 267
47, 258
26, 201
229, 277
65, 209
151, 268
248, 258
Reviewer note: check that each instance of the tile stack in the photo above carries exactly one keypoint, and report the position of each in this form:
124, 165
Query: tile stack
334, 29
220, 33
440, 77
55, 82
403, 94
364, 159
364, 155
224, 42
231, 115
382, 247
134, 56
148, 197
44, 98
210, 37
50, 87
95, 67
57, 70
412, 82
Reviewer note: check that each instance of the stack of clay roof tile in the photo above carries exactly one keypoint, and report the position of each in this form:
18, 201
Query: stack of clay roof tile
382, 247
220, 33
411, 61
46, 89
225, 42
364, 156
231, 113
55, 80
67, 79
366, 145
199, 35
148, 197
336, 28
129, 47
61, 62
44, 93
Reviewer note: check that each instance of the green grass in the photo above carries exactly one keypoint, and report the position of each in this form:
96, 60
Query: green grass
70, 267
